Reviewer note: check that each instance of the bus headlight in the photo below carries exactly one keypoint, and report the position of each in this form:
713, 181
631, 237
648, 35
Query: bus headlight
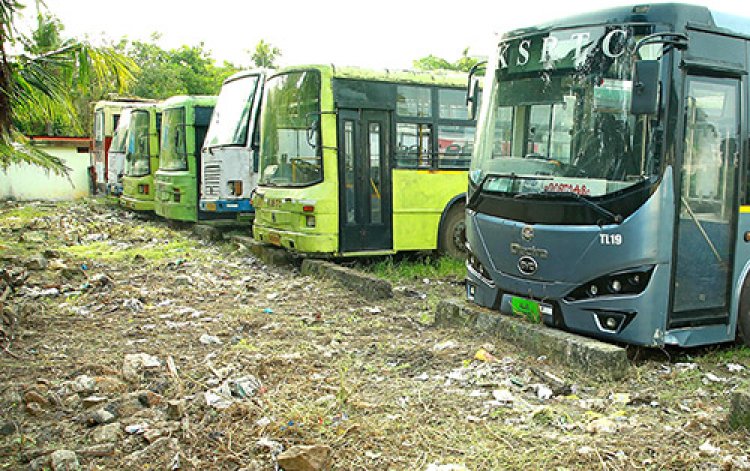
625, 282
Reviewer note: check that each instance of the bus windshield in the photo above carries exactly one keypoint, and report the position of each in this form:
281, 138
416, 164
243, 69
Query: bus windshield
120, 139
289, 152
173, 151
231, 117
137, 158
557, 118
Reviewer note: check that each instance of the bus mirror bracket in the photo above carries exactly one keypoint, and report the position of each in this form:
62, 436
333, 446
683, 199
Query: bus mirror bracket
645, 97
472, 89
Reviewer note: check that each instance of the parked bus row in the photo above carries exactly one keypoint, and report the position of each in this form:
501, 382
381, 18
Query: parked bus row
322, 160
608, 184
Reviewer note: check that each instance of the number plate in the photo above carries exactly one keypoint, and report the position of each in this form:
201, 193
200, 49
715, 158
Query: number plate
210, 206
531, 310
274, 238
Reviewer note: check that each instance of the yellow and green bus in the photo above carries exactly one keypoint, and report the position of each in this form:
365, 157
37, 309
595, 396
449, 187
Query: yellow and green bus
141, 158
359, 162
185, 120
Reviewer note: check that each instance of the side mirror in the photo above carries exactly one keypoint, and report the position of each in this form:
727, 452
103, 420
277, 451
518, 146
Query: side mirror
473, 90
645, 97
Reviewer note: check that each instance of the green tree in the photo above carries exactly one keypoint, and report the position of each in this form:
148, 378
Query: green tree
431, 62
187, 70
265, 55
43, 80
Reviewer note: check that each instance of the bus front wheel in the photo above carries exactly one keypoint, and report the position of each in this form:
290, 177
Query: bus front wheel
452, 236
743, 316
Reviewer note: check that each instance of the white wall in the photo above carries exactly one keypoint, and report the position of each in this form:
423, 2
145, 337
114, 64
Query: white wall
27, 182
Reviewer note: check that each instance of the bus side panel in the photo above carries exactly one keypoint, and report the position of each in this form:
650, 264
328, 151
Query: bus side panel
417, 207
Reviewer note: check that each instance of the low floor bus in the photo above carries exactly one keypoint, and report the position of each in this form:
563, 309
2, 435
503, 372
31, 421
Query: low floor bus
184, 124
229, 159
141, 158
608, 188
358, 162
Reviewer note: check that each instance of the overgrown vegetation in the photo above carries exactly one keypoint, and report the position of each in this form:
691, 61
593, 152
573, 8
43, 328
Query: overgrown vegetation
411, 268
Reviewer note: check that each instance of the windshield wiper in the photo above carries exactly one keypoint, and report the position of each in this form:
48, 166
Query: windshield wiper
615, 218
476, 197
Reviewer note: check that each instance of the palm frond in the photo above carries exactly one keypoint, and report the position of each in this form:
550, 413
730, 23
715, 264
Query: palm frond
15, 148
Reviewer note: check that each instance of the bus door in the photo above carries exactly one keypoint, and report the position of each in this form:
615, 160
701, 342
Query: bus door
365, 207
707, 205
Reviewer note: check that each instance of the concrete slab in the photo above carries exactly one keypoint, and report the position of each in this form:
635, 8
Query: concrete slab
739, 414
268, 254
595, 358
365, 284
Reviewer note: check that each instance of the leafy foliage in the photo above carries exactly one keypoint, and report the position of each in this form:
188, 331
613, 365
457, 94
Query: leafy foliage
430, 62
42, 83
187, 70
265, 55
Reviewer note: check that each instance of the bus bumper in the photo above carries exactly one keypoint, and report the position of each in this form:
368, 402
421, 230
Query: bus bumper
323, 244
136, 204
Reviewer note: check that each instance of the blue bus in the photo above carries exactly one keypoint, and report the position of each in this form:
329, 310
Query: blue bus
608, 187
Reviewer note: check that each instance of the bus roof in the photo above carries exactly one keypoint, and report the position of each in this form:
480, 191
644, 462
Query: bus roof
188, 100
678, 15
439, 77
246, 73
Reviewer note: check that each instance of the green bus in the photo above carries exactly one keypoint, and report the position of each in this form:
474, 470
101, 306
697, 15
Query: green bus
141, 158
359, 162
185, 120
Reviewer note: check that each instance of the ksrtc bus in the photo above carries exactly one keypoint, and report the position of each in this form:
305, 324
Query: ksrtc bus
357, 162
608, 188
106, 118
229, 160
141, 158
184, 123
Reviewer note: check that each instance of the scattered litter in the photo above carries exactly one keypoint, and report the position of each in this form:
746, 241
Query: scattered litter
268, 310
543, 392
706, 449
446, 345
484, 355
734, 367
133, 304
714, 379
210, 340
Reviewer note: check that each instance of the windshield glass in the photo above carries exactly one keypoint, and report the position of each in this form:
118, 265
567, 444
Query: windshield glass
231, 118
289, 151
557, 115
120, 139
137, 153
173, 151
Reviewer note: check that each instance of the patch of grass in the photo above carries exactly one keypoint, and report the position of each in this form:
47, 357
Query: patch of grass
25, 214
105, 252
424, 267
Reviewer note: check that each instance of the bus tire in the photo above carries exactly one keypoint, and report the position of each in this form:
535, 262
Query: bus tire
743, 316
452, 234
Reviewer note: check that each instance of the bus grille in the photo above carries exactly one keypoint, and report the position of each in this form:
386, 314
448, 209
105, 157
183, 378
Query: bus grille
211, 180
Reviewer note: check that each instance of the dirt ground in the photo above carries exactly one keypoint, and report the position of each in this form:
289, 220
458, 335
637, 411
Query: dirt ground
132, 345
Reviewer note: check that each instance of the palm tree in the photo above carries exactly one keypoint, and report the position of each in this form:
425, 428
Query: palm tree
43, 83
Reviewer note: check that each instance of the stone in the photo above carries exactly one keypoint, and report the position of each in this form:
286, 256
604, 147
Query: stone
84, 384
91, 401
8, 428
100, 417
107, 433
369, 286
110, 384
64, 460
43, 463
33, 396
739, 412
149, 398
175, 409
158, 455
36, 263
305, 458
135, 365
32, 408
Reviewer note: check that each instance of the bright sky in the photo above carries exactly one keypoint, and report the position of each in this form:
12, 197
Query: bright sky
383, 33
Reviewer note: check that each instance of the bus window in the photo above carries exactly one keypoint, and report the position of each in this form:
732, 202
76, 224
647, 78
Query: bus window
453, 104
414, 101
413, 145
454, 146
